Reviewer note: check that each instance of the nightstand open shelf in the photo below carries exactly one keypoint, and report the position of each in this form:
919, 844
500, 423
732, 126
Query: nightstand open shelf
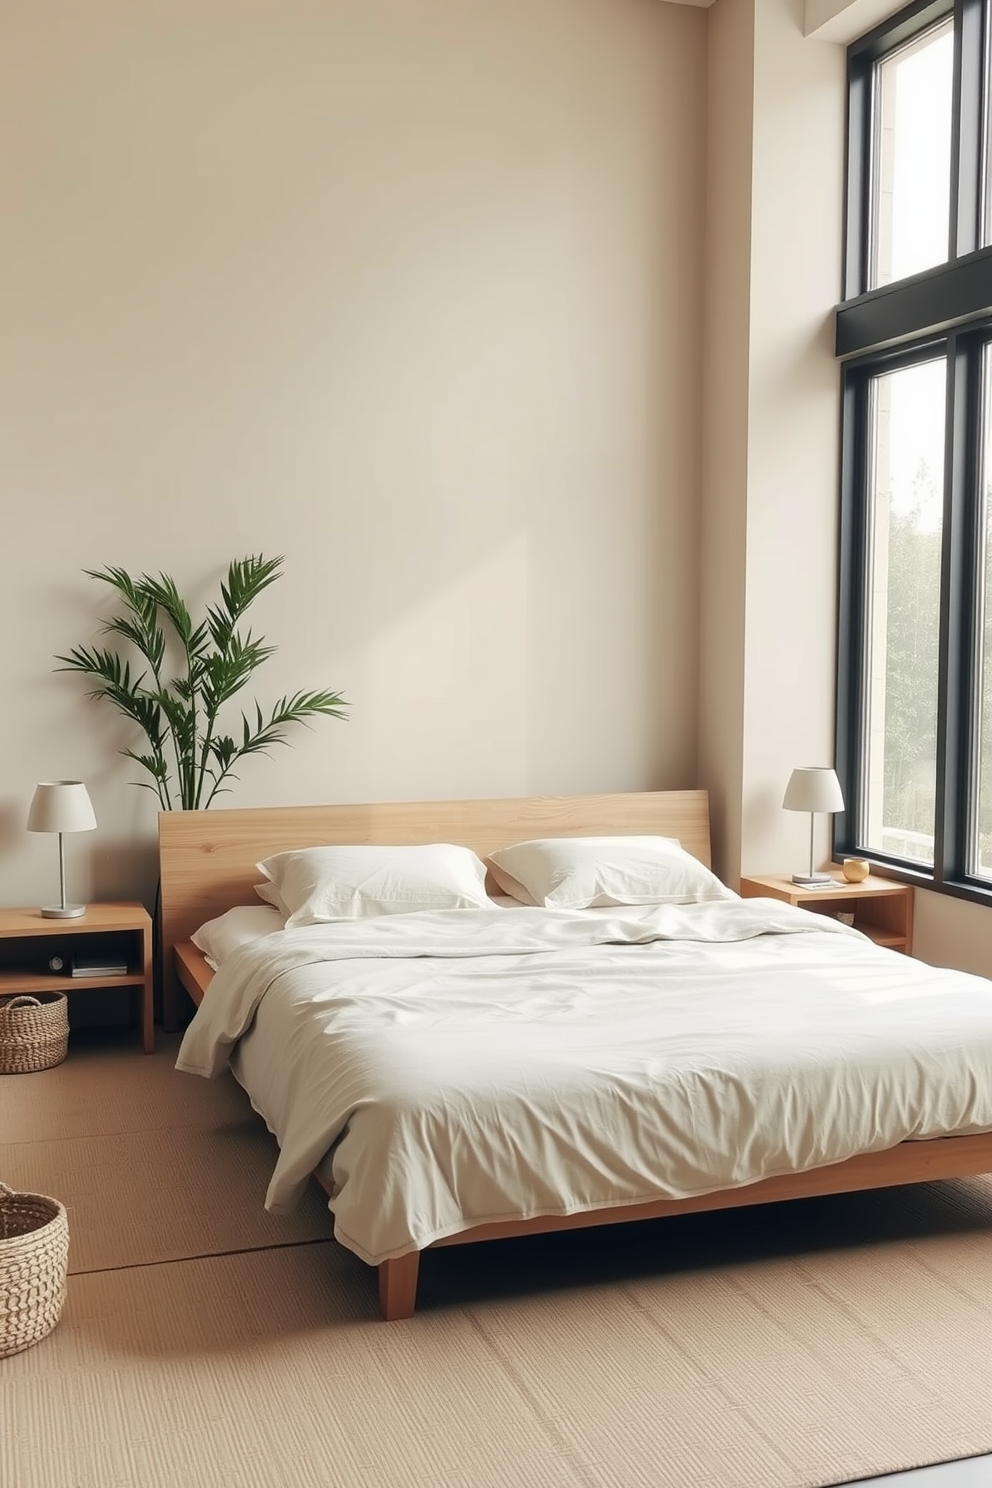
123, 932
14, 981
882, 908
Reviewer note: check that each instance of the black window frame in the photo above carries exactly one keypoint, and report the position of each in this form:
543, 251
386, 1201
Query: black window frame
948, 309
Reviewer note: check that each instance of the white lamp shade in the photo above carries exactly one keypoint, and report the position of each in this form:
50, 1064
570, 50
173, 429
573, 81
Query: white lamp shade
61, 806
813, 788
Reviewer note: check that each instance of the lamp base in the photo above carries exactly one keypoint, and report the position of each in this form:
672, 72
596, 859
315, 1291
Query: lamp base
812, 880
63, 911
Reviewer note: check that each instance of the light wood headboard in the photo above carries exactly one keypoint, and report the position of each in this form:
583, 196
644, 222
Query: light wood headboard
207, 858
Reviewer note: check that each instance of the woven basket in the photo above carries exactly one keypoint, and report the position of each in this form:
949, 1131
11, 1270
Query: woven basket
34, 1032
34, 1254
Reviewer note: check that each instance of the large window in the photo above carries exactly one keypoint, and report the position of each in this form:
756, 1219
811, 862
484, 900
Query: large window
914, 746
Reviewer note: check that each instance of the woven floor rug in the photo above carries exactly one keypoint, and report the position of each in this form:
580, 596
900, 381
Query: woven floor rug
780, 1347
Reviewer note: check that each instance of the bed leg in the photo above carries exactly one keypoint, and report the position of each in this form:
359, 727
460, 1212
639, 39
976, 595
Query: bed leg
398, 1286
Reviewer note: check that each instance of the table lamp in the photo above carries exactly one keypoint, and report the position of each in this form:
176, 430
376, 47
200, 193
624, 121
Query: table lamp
813, 788
61, 806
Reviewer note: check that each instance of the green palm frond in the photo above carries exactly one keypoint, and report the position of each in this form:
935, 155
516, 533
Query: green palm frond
162, 594
121, 581
246, 579
179, 717
147, 638
113, 671
157, 769
227, 672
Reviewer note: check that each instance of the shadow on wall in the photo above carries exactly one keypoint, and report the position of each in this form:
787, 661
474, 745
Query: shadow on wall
126, 869
13, 819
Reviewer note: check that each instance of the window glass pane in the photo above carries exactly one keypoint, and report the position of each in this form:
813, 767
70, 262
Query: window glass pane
901, 635
911, 174
981, 834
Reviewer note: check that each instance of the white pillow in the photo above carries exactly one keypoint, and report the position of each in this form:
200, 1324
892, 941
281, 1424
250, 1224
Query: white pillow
319, 884
219, 937
591, 872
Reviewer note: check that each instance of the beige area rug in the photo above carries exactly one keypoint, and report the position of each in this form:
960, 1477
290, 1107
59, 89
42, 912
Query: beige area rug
151, 1165
782, 1347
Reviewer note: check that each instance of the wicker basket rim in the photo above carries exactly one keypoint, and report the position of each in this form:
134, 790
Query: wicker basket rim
6, 1192
32, 1000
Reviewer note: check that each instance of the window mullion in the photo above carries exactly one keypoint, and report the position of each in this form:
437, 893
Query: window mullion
852, 609
953, 581
968, 659
967, 143
959, 739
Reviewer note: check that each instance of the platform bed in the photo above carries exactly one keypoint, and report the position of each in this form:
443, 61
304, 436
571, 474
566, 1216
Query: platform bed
207, 862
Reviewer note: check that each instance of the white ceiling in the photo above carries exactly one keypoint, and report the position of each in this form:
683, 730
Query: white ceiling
834, 20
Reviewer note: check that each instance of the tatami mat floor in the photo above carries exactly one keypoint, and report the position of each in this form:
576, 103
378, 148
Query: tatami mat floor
205, 1344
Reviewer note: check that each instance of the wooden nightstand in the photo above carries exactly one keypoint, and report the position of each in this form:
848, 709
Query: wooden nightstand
28, 941
882, 909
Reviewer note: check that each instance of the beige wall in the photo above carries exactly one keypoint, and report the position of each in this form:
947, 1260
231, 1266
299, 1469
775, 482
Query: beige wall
410, 293
793, 429
724, 494
952, 932
768, 592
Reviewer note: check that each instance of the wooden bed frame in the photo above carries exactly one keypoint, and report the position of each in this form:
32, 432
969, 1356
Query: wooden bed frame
208, 859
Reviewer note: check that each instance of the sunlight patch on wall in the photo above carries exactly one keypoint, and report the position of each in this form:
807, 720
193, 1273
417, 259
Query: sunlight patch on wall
451, 677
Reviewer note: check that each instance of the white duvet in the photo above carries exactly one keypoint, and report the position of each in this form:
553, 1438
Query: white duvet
451, 1068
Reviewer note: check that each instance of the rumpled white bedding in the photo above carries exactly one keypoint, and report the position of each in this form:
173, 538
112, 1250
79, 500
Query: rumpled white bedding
451, 1068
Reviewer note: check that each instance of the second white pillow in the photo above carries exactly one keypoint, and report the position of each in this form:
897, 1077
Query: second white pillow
595, 872
217, 938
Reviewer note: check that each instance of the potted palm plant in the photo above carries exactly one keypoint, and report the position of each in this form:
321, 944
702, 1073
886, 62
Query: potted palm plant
190, 754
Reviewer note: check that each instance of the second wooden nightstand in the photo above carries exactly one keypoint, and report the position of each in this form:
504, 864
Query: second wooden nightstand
28, 942
882, 908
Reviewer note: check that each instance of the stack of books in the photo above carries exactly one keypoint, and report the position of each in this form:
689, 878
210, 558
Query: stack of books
97, 966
